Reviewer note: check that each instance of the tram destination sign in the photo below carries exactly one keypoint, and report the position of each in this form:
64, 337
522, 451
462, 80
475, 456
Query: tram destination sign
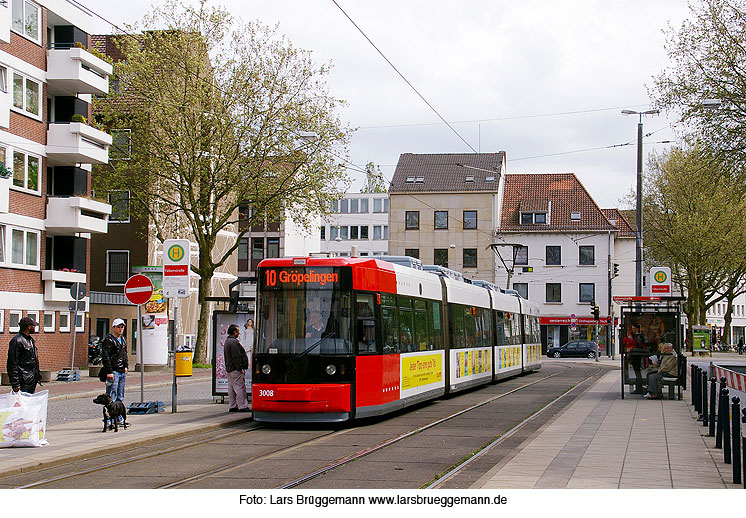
301, 278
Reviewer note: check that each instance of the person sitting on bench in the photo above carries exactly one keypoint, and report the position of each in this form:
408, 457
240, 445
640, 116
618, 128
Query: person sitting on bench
669, 368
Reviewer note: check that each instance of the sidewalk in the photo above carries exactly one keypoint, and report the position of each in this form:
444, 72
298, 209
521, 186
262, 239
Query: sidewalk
604, 442
78, 439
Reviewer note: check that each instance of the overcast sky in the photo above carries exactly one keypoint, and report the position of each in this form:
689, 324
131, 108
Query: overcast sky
506, 74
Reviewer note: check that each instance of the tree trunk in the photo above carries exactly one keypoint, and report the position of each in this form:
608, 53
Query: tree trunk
200, 350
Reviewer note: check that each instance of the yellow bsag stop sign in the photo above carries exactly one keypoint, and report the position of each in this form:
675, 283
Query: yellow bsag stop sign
176, 253
660, 281
660, 276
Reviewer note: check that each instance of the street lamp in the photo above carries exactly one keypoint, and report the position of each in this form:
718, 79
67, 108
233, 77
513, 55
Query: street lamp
638, 222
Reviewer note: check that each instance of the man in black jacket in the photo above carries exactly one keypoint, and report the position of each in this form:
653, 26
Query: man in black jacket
23, 359
114, 359
236, 362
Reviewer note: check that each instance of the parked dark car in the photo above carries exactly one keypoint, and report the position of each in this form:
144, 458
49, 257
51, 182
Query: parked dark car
574, 349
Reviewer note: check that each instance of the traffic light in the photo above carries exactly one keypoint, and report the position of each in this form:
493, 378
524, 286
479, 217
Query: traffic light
595, 312
615, 273
233, 304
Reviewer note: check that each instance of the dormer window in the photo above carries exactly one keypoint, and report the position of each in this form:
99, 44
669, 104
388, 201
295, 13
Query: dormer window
419, 179
575, 216
489, 179
410, 179
469, 179
533, 218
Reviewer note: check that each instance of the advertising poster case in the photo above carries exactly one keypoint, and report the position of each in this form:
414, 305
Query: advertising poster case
154, 319
221, 322
701, 340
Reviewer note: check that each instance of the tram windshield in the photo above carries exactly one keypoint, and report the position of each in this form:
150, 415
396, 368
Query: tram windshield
304, 318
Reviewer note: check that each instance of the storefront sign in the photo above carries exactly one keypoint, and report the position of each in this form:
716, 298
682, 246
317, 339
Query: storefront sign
569, 321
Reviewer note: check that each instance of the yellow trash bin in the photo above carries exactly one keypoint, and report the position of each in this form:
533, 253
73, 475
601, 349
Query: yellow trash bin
183, 363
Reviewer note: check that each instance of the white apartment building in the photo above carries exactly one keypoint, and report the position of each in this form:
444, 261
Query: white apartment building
359, 219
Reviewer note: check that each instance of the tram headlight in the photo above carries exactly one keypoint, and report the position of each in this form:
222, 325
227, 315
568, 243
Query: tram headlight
266, 369
331, 369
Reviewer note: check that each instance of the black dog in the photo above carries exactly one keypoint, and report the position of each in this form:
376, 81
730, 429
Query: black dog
114, 409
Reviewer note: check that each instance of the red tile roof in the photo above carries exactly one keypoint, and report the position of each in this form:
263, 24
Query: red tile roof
557, 194
625, 228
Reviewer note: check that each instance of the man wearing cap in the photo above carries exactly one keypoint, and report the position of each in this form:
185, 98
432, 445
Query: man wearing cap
23, 359
114, 358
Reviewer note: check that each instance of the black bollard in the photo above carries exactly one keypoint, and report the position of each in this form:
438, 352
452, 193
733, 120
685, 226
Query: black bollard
713, 403
743, 445
693, 376
736, 440
703, 382
726, 427
696, 393
721, 414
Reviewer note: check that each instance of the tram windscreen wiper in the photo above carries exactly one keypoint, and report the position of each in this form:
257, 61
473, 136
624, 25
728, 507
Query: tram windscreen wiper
308, 349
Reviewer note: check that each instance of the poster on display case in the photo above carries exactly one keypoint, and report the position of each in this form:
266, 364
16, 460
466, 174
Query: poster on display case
154, 323
221, 322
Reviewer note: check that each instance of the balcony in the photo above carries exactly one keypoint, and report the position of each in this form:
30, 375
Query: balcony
74, 71
57, 284
5, 194
4, 22
75, 142
70, 215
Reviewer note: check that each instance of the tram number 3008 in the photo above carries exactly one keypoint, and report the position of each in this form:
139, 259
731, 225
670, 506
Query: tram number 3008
266, 393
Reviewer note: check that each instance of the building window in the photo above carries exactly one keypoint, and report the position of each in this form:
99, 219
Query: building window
377, 232
120, 207
79, 322
117, 268
470, 220
343, 206
587, 292
521, 255
587, 255
49, 321
26, 171
121, 144
26, 95
380, 205
34, 315
441, 219
26, 18
533, 218
385, 232
470, 257
14, 320
2, 320
257, 251
554, 292
354, 232
364, 205
412, 219
354, 206
441, 257
3, 79
363, 231
521, 288
323, 233
344, 232
24, 247
575, 216
333, 233
554, 255
273, 247
64, 322
412, 252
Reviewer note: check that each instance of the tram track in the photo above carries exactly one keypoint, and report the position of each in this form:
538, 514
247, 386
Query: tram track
373, 449
329, 467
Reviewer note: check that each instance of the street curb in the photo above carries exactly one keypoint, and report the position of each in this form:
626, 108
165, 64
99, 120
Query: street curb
82, 455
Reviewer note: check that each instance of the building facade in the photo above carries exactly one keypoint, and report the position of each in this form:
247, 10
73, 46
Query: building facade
564, 253
359, 220
48, 74
443, 210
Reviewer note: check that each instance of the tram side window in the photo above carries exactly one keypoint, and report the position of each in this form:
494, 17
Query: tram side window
435, 325
456, 327
366, 323
390, 324
487, 323
406, 325
515, 329
470, 326
501, 329
420, 326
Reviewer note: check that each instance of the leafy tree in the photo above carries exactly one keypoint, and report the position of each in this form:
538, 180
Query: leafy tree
374, 180
708, 59
695, 222
223, 114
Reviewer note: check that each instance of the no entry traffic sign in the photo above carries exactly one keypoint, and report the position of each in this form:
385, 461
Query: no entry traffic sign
138, 289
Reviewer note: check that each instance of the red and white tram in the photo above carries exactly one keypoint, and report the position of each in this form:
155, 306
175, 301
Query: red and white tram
346, 338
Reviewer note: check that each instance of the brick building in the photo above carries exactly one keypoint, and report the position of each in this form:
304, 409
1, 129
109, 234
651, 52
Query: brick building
47, 214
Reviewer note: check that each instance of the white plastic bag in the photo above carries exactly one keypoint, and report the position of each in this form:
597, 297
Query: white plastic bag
23, 419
